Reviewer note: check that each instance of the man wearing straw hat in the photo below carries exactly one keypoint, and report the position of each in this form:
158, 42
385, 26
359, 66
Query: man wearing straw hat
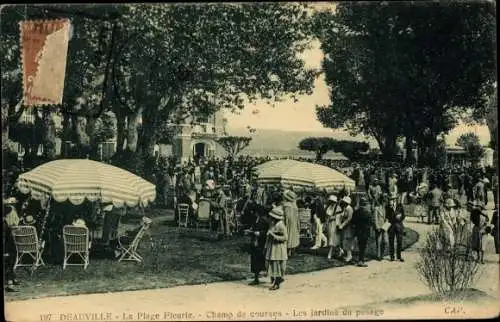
291, 213
10, 219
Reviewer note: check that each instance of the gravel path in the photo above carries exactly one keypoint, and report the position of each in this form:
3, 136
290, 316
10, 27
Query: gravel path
362, 292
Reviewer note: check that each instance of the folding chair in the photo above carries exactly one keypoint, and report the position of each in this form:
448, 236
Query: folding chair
26, 241
129, 251
183, 214
76, 242
305, 224
204, 219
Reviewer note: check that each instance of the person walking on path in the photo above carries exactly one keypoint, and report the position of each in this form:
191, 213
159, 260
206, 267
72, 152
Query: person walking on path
258, 234
345, 227
378, 211
292, 224
435, 198
333, 212
276, 248
363, 223
395, 216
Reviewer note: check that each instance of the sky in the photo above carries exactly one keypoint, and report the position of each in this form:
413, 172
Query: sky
301, 116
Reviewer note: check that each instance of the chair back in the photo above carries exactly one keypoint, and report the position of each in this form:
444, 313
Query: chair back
76, 238
204, 210
138, 237
182, 210
25, 239
304, 217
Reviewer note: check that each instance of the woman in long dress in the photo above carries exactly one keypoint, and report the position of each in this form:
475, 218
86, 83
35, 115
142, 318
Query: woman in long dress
276, 248
291, 216
258, 234
332, 214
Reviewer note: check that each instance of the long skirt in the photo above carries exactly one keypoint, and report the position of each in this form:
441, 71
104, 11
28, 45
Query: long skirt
333, 234
276, 268
257, 260
476, 238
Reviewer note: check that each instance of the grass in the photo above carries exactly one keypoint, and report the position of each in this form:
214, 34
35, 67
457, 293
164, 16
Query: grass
178, 258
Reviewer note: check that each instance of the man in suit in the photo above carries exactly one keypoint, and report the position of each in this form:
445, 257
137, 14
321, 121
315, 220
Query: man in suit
395, 216
363, 223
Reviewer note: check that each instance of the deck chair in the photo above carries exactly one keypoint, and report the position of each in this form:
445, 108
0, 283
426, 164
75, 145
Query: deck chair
204, 219
183, 214
129, 250
27, 244
305, 224
76, 242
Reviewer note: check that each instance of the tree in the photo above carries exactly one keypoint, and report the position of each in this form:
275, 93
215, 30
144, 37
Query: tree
351, 149
472, 146
320, 145
170, 70
234, 144
410, 70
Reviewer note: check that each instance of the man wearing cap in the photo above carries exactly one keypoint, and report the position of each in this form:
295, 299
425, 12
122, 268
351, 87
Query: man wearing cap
291, 221
276, 247
363, 222
10, 219
395, 216
345, 227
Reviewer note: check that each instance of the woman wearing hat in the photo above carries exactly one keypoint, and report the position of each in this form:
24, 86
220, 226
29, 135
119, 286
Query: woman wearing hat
345, 227
333, 212
291, 213
448, 222
276, 247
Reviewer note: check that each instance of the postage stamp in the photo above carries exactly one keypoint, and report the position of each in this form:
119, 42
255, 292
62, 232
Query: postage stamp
44, 51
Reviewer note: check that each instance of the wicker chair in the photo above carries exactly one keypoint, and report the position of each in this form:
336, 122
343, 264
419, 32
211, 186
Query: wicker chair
27, 244
204, 219
76, 242
183, 214
305, 224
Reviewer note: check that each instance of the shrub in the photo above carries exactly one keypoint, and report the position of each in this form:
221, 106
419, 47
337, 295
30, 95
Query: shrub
447, 269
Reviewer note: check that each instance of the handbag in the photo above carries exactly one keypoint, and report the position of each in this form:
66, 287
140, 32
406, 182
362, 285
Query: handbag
386, 226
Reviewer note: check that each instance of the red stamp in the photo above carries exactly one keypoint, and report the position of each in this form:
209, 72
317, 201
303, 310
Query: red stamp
44, 52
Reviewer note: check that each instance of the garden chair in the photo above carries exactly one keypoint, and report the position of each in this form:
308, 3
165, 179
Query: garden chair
183, 214
76, 242
204, 220
27, 244
305, 224
129, 250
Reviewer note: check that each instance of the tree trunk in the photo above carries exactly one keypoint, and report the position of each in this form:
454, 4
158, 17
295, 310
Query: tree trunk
121, 121
132, 130
5, 126
49, 134
66, 135
387, 146
82, 139
90, 130
410, 159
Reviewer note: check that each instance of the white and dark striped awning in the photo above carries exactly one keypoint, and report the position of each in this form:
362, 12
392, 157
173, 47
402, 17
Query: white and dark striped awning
77, 180
305, 174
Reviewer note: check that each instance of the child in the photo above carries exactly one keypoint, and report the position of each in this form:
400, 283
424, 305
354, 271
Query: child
319, 236
487, 244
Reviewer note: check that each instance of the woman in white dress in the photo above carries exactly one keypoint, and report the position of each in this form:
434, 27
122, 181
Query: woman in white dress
333, 212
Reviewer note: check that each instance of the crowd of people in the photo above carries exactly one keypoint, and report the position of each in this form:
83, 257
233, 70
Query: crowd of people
453, 197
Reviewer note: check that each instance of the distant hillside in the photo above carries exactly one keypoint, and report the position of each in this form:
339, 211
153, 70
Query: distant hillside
278, 140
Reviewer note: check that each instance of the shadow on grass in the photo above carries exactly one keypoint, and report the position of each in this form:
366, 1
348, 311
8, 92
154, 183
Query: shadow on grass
180, 258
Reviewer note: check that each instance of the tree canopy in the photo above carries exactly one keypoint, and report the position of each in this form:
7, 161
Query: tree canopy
321, 145
472, 146
408, 70
234, 144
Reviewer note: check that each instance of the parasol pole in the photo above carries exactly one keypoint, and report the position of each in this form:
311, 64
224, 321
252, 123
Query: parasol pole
44, 222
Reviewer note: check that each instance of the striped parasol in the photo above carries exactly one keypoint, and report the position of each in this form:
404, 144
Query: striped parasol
76, 180
291, 173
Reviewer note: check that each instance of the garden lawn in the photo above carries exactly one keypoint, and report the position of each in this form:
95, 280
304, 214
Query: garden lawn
171, 258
